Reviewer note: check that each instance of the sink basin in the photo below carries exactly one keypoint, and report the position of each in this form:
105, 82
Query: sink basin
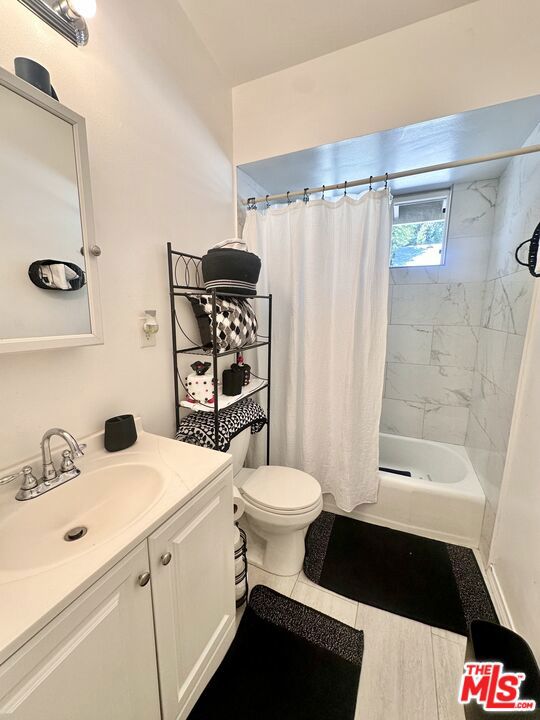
104, 501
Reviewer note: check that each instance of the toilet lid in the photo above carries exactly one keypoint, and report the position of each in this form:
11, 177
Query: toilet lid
282, 489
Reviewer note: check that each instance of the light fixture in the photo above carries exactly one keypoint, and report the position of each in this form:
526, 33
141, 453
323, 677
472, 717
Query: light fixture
68, 17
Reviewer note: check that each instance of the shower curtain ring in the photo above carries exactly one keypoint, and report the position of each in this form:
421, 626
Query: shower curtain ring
345, 188
251, 205
371, 182
267, 203
289, 201
306, 196
323, 191
386, 181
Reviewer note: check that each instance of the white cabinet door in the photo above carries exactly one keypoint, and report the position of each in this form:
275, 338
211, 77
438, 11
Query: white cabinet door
95, 661
194, 605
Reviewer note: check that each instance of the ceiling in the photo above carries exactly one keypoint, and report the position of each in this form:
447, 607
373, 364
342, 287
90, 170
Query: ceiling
470, 134
250, 39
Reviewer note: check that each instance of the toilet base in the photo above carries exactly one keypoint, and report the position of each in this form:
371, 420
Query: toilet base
279, 553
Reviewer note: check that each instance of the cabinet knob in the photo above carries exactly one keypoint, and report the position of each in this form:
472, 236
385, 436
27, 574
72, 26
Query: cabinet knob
144, 579
166, 558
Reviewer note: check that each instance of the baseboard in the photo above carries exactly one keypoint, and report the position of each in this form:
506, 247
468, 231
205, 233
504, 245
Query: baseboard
497, 597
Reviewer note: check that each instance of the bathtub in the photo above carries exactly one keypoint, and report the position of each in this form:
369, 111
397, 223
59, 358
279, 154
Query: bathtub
442, 500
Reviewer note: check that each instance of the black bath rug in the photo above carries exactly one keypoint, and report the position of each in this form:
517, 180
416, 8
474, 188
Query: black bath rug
426, 580
287, 661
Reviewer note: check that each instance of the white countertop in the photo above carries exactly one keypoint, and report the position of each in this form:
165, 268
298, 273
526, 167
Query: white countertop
28, 603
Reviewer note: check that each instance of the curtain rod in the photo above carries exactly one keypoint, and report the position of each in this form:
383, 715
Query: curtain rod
394, 176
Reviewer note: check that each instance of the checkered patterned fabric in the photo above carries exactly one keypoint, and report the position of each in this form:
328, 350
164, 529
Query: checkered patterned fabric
197, 428
236, 321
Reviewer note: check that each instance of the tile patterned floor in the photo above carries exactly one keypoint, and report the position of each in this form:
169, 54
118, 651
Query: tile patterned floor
410, 671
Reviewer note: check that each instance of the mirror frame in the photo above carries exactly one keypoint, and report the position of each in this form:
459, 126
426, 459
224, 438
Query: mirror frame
95, 336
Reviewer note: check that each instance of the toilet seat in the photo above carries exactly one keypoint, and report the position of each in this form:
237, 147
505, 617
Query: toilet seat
282, 490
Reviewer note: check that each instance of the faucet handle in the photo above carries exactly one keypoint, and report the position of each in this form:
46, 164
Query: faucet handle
29, 481
67, 458
67, 461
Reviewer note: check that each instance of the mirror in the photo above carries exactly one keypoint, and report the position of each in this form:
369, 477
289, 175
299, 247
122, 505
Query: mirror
48, 277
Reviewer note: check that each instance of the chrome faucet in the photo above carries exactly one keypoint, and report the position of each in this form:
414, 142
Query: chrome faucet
31, 487
75, 451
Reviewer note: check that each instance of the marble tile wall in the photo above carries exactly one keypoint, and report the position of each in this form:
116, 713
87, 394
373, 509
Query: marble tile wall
505, 312
435, 324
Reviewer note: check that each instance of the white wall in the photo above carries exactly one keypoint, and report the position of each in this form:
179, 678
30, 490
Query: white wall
480, 54
159, 129
515, 553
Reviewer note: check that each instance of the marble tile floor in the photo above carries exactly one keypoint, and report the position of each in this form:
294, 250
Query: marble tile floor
410, 671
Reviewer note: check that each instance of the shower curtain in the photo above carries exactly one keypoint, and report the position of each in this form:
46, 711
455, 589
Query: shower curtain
326, 264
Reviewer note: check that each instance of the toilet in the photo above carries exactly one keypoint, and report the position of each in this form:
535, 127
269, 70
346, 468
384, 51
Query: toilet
281, 503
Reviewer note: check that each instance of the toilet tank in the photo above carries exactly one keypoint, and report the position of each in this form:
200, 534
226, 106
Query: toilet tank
238, 449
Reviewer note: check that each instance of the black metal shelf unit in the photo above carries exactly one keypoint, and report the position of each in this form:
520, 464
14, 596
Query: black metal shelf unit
186, 268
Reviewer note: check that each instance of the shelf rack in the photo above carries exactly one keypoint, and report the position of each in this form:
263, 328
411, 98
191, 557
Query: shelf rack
185, 268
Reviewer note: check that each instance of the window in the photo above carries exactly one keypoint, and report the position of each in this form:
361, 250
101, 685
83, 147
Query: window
420, 228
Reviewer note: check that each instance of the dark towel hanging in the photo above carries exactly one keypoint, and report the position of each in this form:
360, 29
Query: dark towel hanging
533, 252
42, 279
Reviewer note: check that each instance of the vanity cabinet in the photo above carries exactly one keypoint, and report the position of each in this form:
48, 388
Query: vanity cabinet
99, 658
192, 565
95, 660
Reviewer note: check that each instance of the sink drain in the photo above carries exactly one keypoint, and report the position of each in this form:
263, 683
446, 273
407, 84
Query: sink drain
75, 533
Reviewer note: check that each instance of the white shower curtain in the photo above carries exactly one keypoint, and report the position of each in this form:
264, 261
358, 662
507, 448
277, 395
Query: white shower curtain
326, 264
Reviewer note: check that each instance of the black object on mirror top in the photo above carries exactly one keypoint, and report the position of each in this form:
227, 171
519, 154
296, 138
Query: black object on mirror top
35, 74
120, 433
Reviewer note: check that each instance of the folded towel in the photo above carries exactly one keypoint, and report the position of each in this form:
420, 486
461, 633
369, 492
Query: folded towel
232, 243
197, 428
57, 276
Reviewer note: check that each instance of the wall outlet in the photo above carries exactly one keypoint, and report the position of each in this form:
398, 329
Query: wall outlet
149, 328
147, 340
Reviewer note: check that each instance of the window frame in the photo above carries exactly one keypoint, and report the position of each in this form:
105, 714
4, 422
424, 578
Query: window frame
422, 196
